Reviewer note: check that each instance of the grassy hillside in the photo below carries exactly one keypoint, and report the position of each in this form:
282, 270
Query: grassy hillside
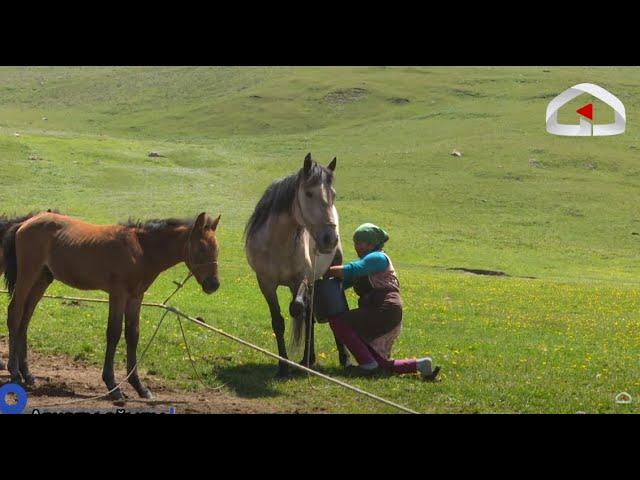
562, 210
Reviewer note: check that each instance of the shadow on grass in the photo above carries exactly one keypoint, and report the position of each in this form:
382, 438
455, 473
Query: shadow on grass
256, 380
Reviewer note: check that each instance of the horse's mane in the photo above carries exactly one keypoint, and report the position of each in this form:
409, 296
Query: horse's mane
279, 196
159, 225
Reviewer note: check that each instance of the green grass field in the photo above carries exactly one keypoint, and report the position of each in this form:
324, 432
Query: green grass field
519, 200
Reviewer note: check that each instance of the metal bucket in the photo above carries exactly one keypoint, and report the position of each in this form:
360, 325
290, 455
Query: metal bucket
329, 299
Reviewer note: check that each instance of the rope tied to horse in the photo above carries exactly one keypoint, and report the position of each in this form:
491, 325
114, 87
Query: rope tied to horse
179, 286
201, 323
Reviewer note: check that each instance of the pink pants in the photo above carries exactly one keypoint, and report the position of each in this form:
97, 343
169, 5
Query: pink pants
366, 354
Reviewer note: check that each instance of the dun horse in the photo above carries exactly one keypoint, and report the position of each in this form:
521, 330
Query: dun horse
122, 260
295, 219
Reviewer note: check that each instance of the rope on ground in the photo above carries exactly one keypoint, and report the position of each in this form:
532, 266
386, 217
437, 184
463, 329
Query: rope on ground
170, 308
179, 285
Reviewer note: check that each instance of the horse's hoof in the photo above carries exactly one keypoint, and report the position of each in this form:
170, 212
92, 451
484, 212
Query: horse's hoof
146, 393
312, 365
296, 308
16, 378
29, 380
346, 363
116, 395
282, 375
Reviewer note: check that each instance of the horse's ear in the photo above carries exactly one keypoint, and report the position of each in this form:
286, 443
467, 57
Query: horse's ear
201, 221
332, 165
308, 161
214, 224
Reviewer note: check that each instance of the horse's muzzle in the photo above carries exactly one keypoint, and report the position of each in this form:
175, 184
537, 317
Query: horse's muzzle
210, 285
327, 239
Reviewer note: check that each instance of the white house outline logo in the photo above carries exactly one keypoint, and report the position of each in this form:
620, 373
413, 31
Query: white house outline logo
585, 127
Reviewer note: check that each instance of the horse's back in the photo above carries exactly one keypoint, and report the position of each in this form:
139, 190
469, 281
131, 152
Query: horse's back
80, 254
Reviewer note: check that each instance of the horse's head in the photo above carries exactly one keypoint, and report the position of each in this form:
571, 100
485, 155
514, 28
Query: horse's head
202, 252
314, 203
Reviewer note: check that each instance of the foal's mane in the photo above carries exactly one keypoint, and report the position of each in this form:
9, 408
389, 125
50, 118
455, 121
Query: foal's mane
161, 225
279, 196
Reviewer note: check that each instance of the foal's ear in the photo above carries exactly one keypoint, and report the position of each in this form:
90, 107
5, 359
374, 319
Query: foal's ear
332, 165
214, 224
201, 221
308, 161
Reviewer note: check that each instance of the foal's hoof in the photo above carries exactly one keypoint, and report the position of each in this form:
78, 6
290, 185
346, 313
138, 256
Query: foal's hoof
116, 395
296, 308
146, 393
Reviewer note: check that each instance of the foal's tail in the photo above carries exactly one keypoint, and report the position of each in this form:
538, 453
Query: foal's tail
10, 259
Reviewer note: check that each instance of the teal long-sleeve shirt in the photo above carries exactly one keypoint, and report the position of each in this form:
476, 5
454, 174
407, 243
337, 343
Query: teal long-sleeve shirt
371, 263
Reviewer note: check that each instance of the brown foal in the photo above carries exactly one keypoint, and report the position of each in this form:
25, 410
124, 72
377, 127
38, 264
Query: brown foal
122, 260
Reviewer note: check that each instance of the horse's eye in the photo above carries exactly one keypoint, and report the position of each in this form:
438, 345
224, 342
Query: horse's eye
308, 194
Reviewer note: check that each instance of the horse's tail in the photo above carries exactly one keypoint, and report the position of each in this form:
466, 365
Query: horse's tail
297, 333
10, 259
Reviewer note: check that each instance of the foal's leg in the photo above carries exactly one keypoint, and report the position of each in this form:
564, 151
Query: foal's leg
132, 334
268, 289
37, 291
27, 277
117, 304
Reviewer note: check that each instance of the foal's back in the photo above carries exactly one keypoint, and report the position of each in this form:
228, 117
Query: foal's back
80, 254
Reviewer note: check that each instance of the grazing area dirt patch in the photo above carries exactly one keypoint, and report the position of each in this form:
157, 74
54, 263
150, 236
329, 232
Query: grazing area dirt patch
59, 379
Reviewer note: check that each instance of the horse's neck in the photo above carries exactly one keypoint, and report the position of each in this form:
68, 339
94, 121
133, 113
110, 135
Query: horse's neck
163, 249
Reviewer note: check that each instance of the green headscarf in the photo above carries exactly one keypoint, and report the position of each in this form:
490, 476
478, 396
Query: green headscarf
370, 233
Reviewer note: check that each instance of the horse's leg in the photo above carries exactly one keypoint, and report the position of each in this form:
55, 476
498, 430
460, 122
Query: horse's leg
132, 334
343, 353
277, 323
27, 277
37, 291
297, 305
117, 302
309, 356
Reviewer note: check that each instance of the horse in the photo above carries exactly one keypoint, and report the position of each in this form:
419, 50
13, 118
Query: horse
292, 233
122, 260
5, 224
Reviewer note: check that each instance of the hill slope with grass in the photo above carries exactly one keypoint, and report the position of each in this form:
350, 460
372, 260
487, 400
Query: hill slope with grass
518, 200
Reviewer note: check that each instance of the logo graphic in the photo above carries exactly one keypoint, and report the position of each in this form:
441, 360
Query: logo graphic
20, 394
586, 127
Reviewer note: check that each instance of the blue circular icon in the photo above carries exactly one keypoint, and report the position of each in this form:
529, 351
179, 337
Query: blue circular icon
19, 392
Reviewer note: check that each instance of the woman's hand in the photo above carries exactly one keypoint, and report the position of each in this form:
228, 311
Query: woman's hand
335, 271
